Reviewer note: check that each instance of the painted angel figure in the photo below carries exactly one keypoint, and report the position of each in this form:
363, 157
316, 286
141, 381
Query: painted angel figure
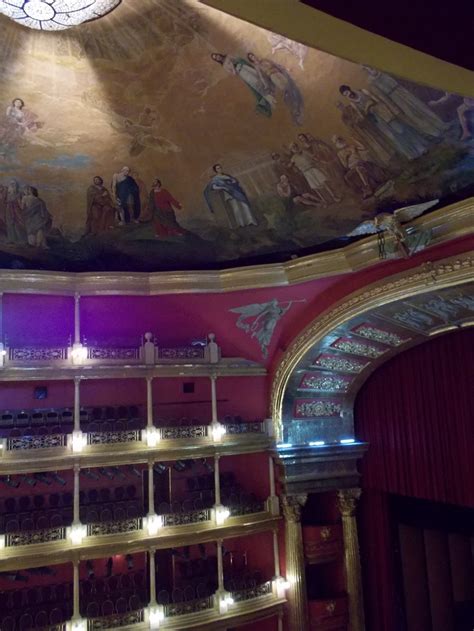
279, 42
260, 320
408, 240
143, 137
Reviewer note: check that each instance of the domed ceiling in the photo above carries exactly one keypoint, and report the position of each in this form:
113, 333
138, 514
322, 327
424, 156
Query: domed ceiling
168, 135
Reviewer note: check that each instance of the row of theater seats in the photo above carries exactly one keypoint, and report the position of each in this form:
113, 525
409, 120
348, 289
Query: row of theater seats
18, 418
118, 593
188, 593
19, 610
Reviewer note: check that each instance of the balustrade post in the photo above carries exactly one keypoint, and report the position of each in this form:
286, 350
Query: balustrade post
152, 568
347, 501
295, 568
149, 402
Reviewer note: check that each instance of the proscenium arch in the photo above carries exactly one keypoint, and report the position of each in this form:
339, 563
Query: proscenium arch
317, 380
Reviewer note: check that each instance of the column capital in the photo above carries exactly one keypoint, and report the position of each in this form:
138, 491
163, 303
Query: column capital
213, 375
77, 468
292, 505
149, 379
347, 501
77, 296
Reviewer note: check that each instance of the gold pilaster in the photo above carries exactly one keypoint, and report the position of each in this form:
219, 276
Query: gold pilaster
347, 500
295, 569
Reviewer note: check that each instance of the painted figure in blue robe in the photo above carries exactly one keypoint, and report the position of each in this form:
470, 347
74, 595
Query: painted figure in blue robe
406, 140
127, 196
232, 196
277, 79
246, 72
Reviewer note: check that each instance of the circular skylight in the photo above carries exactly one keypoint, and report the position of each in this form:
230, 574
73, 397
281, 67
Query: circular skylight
55, 15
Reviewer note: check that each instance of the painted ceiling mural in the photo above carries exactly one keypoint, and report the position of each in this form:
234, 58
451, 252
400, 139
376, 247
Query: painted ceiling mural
168, 135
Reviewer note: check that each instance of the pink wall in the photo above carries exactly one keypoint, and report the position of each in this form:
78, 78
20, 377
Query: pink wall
113, 392
37, 320
63, 574
259, 548
251, 472
19, 395
268, 624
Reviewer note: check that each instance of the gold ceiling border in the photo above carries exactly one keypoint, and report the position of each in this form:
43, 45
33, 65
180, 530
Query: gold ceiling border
448, 272
324, 32
446, 224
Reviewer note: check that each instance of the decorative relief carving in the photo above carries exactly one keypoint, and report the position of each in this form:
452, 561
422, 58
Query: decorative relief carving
116, 620
242, 595
48, 441
32, 537
379, 335
113, 438
347, 501
190, 432
337, 362
325, 383
244, 428
191, 517
32, 354
355, 347
246, 509
114, 527
96, 352
314, 408
190, 606
292, 506
413, 318
183, 352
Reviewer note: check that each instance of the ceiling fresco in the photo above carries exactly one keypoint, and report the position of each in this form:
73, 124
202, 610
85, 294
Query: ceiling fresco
168, 135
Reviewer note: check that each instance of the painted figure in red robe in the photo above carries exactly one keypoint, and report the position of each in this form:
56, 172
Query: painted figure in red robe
162, 205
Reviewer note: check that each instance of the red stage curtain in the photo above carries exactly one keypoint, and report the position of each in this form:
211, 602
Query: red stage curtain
416, 413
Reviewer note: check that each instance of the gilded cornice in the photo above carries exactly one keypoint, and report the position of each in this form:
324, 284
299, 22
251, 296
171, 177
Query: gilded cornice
425, 278
446, 224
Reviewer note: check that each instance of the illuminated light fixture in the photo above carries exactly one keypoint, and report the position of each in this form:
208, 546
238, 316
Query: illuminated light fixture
55, 15
78, 625
284, 445
2, 541
317, 443
79, 352
347, 441
222, 513
225, 602
79, 441
152, 436
281, 586
218, 432
155, 616
153, 523
77, 534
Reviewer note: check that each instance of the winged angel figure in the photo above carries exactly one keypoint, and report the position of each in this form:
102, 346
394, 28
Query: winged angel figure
263, 320
143, 137
407, 239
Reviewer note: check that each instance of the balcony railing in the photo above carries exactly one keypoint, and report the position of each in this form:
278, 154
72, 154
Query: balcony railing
188, 607
117, 620
254, 427
98, 529
241, 595
28, 355
47, 441
187, 431
31, 537
111, 355
188, 517
114, 438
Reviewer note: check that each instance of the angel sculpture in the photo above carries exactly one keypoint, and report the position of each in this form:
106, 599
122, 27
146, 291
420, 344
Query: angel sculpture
407, 239
265, 317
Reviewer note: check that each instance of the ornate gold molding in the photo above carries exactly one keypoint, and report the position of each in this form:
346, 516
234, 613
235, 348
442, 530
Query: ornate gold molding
425, 278
446, 224
347, 501
292, 506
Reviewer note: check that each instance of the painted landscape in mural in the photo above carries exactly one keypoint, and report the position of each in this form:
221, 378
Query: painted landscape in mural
168, 135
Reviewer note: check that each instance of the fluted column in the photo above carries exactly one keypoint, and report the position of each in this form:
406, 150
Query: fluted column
77, 404
75, 590
347, 501
149, 402
76, 504
77, 318
214, 398
276, 553
295, 569
151, 565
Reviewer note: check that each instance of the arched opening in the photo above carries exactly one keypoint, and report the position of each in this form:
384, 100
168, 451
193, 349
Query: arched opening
416, 522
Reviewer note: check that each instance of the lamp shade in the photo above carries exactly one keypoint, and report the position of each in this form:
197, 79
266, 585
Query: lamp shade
55, 15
